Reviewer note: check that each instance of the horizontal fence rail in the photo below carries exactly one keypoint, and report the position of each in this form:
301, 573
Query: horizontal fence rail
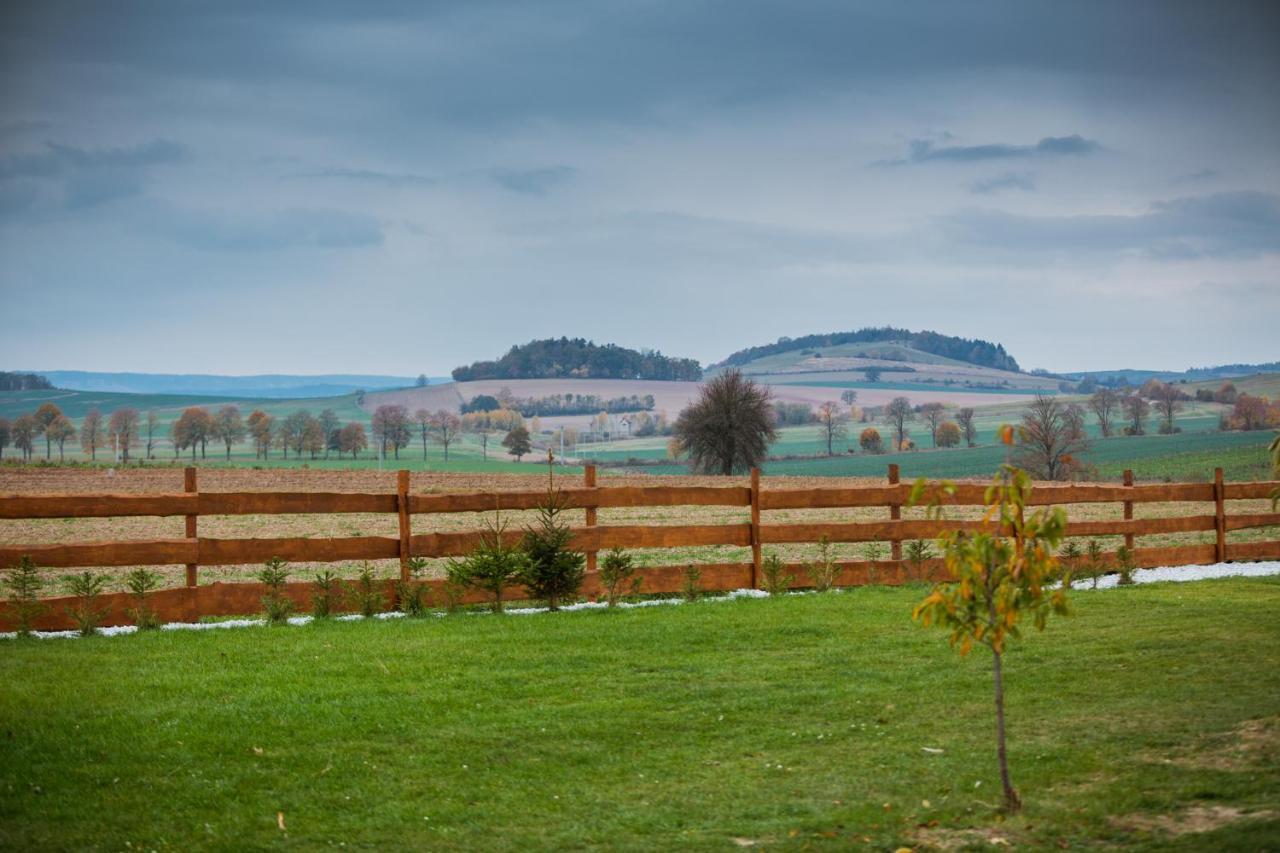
193, 550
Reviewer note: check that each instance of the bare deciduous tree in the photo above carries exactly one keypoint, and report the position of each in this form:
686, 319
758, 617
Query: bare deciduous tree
898, 413
1136, 411
122, 430
1105, 403
45, 415
446, 426
1050, 439
60, 430
933, 414
964, 417
831, 420
91, 433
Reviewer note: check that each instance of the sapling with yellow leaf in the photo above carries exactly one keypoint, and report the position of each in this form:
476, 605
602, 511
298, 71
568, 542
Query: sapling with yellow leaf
998, 579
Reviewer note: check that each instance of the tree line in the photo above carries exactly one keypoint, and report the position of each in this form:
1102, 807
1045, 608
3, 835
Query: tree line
972, 351
11, 381
580, 358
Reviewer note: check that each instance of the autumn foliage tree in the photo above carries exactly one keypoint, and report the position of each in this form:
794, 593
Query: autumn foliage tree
24, 431
870, 440
999, 579
61, 430
194, 427
92, 433
122, 430
261, 427
352, 439
1050, 439
729, 428
44, 416
391, 427
517, 442
228, 426
947, 435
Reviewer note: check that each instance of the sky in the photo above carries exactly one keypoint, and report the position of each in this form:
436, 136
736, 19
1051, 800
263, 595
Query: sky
404, 187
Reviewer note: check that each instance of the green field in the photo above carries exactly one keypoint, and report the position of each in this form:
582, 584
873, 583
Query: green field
826, 721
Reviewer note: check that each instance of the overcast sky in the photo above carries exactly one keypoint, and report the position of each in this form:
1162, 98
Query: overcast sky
252, 188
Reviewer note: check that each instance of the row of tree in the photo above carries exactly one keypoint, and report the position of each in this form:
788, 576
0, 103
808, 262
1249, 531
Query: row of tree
49, 422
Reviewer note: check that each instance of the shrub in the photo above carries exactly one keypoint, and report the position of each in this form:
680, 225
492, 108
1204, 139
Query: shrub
493, 565
773, 575
552, 571
24, 583
279, 607
86, 587
692, 587
327, 595
140, 583
1124, 561
917, 551
823, 571
411, 593
948, 434
365, 592
870, 440
616, 570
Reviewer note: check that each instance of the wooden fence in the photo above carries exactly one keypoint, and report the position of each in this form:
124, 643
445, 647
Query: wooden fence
196, 600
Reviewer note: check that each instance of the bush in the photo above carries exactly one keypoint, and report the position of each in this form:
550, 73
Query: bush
365, 592
411, 593
85, 612
616, 569
692, 587
140, 583
917, 551
552, 571
326, 597
492, 566
279, 607
773, 575
823, 571
870, 440
24, 583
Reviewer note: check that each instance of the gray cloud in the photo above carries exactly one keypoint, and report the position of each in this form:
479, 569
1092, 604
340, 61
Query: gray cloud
1222, 225
73, 178
214, 231
924, 150
387, 179
532, 181
1007, 181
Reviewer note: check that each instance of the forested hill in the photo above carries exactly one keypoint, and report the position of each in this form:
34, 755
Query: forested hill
979, 352
581, 359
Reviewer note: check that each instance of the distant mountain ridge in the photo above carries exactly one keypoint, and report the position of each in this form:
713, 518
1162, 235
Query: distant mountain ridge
274, 385
1192, 374
973, 351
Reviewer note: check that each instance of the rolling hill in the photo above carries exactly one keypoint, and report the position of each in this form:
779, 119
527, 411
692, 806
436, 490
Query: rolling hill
277, 386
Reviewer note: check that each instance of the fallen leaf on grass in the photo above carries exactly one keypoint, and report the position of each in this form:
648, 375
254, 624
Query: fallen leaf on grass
257, 750
280, 820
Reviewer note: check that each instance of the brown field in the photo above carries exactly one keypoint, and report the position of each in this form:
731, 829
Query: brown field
671, 397
30, 481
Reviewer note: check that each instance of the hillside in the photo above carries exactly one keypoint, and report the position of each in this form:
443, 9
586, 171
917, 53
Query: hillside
969, 351
579, 358
273, 385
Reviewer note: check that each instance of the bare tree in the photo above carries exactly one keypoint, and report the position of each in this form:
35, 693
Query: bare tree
60, 430
6, 435
391, 426
1050, 439
122, 429
194, 427
446, 426
729, 428
831, 420
1105, 404
1168, 402
25, 429
898, 413
934, 414
261, 429
1136, 411
423, 419
153, 426
91, 433
964, 418
352, 439
313, 438
330, 425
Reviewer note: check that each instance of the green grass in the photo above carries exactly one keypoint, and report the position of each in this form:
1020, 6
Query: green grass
795, 722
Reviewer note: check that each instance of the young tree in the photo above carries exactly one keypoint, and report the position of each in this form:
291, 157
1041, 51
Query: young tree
295, 430
1050, 439
421, 381
60, 430
24, 430
228, 427
152, 427
423, 419
1249, 412
330, 425
45, 415
897, 414
948, 434
6, 435
446, 426
872, 374
1105, 403
870, 440
353, 439
964, 418
831, 422
729, 428
122, 430
999, 577
517, 442
553, 571
313, 438
391, 426
92, 433
1168, 402
1136, 410
193, 427
849, 396
934, 414
261, 428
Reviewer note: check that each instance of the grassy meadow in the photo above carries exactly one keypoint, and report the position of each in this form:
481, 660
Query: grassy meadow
1149, 719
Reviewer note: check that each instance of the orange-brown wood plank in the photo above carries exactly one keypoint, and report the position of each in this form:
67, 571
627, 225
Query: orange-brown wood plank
141, 552
1248, 491
1242, 522
285, 503
95, 506
232, 552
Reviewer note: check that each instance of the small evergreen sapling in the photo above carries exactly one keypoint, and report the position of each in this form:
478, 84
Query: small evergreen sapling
411, 595
918, 551
823, 571
692, 583
326, 594
86, 587
997, 577
274, 575
1124, 561
552, 570
24, 583
368, 597
617, 569
873, 552
493, 565
140, 583
773, 575
1093, 551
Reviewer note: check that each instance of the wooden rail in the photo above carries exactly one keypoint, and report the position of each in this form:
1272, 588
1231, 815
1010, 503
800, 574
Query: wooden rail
750, 531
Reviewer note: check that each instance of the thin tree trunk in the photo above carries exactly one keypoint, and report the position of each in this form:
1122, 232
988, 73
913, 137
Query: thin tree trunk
1011, 802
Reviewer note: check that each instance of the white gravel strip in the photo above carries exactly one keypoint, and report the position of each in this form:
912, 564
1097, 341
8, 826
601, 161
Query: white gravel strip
1140, 576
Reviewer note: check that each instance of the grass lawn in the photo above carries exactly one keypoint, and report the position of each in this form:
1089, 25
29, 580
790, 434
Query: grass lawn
792, 722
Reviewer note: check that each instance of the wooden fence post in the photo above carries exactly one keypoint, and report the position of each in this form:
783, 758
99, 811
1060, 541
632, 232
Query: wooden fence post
189, 486
589, 480
755, 527
1219, 516
402, 508
1128, 509
895, 513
